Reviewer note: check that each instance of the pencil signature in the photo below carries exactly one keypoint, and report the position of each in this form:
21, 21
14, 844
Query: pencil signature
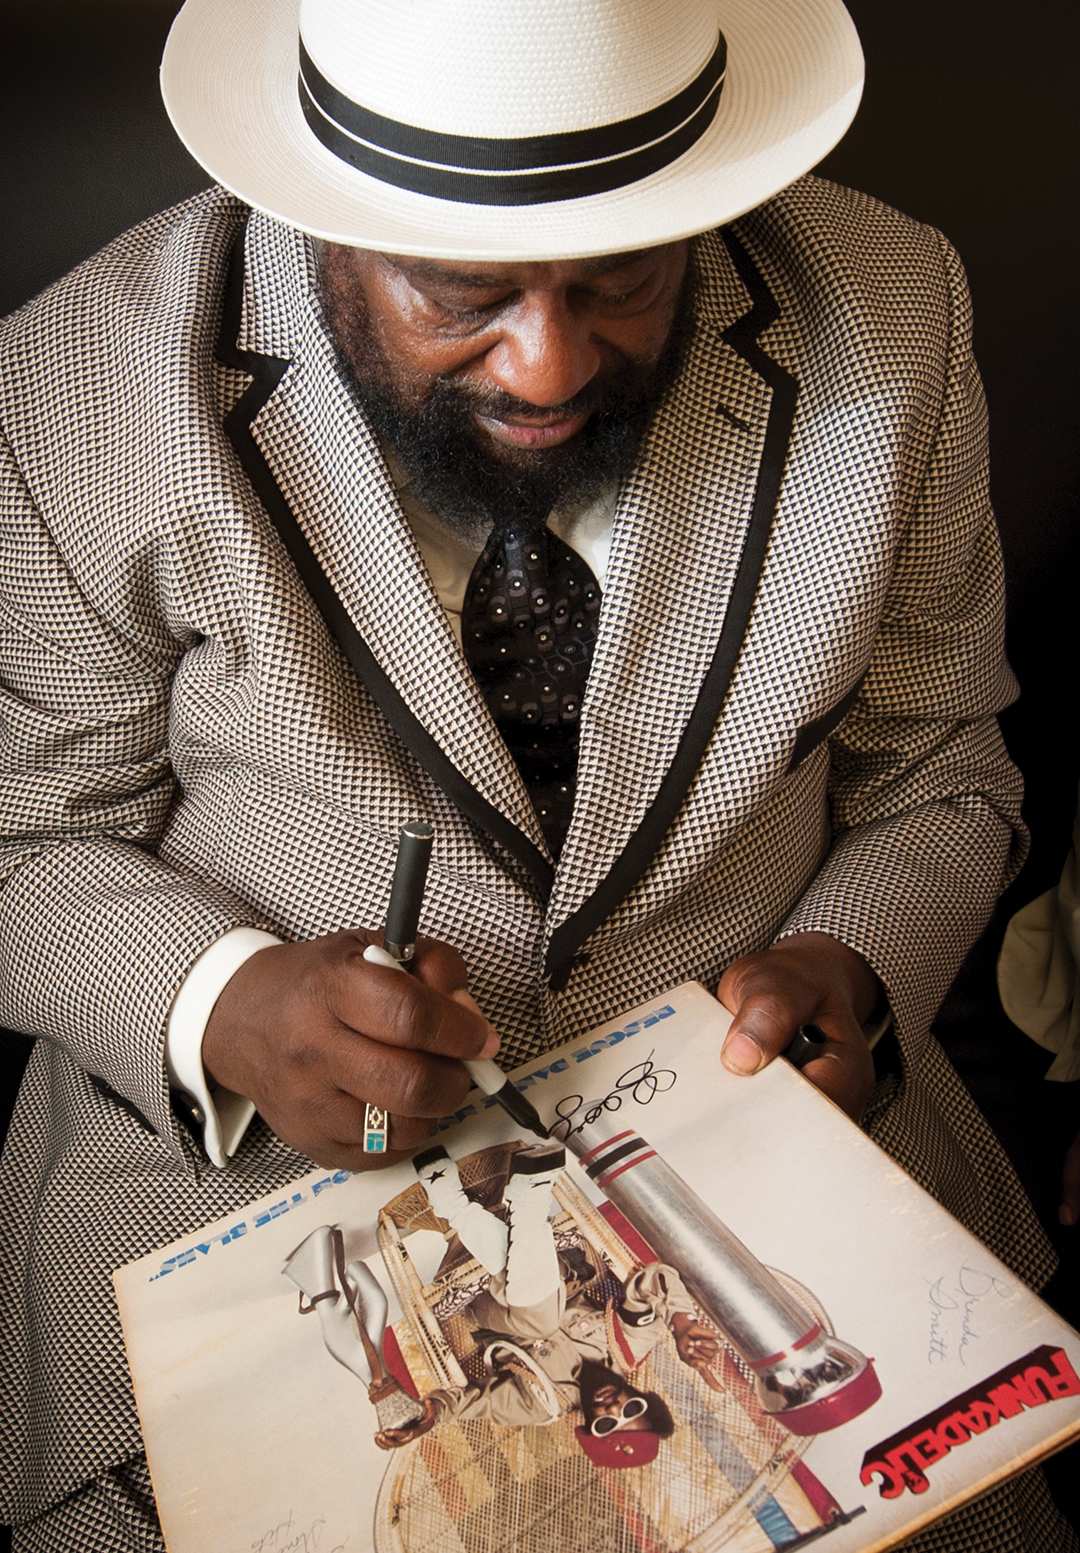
640, 1083
954, 1320
940, 1302
288, 1537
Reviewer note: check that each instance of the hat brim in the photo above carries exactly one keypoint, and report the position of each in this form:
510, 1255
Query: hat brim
229, 80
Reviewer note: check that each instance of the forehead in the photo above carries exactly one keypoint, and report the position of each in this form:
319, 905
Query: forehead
537, 275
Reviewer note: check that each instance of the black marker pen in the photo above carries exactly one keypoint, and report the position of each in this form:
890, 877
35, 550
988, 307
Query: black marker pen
807, 1043
399, 942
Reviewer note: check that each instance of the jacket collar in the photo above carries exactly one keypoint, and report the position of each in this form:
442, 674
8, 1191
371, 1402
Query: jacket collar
691, 532
689, 540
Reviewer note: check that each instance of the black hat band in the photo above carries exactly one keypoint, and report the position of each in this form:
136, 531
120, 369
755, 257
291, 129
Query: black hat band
531, 170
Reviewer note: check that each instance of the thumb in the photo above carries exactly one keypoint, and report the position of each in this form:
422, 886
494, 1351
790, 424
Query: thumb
744, 1051
763, 1026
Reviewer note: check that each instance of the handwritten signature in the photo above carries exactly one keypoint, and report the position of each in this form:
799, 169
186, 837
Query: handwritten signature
953, 1311
288, 1537
640, 1083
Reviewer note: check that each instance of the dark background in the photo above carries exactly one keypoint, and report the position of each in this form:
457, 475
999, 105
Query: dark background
968, 123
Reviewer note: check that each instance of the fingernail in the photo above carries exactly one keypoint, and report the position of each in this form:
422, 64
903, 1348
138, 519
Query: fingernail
1066, 1215
741, 1054
466, 999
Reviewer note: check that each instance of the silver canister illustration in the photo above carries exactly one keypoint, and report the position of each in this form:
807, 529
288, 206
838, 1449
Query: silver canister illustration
811, 1380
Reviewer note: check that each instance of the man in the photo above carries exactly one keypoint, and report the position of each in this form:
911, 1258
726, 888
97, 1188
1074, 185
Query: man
233, 554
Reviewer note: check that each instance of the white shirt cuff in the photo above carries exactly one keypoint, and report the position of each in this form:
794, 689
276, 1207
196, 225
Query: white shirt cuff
223, 1115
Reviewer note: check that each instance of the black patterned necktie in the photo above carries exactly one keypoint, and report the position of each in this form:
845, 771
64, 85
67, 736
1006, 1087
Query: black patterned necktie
528, 629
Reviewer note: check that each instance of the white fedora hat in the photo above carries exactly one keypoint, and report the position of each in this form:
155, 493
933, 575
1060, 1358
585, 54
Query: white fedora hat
510, 129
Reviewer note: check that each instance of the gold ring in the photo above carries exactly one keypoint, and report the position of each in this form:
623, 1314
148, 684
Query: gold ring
376, 1127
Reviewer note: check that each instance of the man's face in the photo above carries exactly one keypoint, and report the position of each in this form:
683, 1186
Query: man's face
507, 386
609, 1399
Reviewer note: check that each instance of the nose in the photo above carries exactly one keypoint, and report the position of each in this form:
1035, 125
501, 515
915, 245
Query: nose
545, 354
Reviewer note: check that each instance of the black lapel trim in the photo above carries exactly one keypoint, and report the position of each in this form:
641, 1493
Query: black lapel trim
642, 847
266, 373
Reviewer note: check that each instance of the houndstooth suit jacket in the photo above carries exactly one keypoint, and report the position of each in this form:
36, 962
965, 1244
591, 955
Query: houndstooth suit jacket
789, 721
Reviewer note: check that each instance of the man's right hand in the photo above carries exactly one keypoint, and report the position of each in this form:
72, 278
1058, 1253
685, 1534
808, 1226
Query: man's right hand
312, 1032
393, 1439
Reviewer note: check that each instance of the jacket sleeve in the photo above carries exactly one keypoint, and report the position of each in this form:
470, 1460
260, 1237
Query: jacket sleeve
925, 801
96, 932
655, 1293
510, 1400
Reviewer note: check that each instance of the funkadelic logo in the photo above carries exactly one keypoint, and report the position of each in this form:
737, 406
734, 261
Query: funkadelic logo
901, 1462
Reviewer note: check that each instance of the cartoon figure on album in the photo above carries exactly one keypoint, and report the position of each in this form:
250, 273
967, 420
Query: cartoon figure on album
547, 1346
549, 1317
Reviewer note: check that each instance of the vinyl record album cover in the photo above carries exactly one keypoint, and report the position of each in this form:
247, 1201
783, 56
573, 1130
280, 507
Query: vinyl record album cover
709, 1314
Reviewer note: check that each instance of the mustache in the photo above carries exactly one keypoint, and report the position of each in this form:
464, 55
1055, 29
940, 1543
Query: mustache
499, 405
625, 388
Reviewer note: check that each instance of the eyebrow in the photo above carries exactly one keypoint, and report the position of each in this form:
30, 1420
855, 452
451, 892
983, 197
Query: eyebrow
432, 270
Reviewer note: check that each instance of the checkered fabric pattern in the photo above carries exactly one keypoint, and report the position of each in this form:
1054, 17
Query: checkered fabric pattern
113, 1514
186, 750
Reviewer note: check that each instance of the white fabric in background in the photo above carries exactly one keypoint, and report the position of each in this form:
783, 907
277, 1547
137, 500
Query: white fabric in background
1038, 966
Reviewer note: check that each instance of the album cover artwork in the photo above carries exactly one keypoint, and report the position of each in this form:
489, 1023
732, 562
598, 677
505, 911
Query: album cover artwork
708, 1313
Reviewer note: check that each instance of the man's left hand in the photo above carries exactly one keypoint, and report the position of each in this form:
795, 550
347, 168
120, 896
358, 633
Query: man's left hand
695, 1344
808, 978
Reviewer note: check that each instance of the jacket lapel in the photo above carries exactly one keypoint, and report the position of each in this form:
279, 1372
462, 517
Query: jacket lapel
691, 535
326, 487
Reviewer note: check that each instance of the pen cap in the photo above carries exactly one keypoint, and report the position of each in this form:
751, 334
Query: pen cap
407, 890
